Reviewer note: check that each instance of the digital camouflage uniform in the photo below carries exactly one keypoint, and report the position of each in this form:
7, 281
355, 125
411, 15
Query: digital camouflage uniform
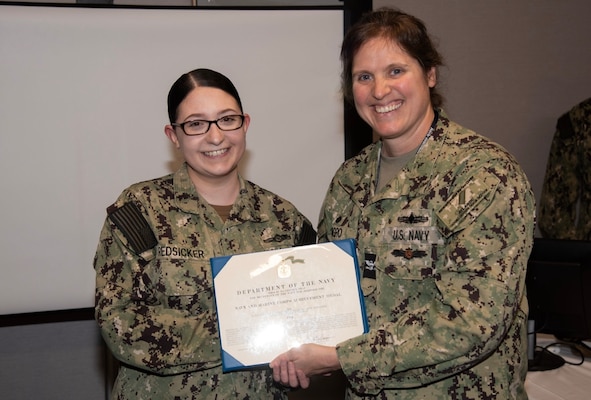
565, 204
443, 252
154, 295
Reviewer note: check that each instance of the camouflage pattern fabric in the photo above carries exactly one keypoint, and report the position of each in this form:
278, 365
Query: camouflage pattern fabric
155, 305
443, 252
565, 203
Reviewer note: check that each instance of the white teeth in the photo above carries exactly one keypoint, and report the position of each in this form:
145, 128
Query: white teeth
389, 108
215, 152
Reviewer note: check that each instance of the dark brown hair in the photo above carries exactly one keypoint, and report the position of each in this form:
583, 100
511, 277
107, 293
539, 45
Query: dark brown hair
409, 32
199, 77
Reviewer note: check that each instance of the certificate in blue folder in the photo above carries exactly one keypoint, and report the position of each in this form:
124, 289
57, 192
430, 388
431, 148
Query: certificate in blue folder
268, 302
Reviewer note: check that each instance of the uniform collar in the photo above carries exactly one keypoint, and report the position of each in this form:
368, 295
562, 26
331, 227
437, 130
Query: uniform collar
188, 199
415, 178
418, 174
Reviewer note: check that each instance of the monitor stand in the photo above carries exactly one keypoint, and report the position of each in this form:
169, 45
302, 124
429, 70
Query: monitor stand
544, 360
539, 359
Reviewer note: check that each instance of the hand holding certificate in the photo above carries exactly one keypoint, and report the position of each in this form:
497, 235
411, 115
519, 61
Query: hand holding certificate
270, 301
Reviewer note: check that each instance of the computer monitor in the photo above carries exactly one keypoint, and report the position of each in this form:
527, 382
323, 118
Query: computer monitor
559, 292
559, 287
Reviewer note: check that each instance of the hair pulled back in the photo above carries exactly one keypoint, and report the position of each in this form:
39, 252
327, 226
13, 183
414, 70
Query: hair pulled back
201, 77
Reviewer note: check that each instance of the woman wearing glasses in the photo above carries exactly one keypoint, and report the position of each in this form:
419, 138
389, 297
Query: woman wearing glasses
154, 295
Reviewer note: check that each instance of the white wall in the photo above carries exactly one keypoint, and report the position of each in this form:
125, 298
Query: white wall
82, 111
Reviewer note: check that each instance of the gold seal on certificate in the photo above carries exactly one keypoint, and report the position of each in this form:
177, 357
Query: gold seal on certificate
271, 301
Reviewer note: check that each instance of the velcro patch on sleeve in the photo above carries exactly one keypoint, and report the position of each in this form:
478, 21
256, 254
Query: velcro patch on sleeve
467, 204
134, 227
307, 236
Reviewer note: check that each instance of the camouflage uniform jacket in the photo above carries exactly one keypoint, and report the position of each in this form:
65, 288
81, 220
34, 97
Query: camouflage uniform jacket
154, 296
443, 252
565, 204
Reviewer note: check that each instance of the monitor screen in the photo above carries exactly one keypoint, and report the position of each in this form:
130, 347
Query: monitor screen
559, 288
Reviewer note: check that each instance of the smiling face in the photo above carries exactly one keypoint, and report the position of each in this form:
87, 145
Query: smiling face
213, 156
391, 94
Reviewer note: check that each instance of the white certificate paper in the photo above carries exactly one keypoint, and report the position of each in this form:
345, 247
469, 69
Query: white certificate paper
271, 301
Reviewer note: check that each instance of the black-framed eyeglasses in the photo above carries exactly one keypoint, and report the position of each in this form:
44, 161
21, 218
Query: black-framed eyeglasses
196, 127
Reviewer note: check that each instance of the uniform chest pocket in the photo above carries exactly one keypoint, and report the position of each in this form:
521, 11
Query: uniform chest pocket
408, 261
397, 261
185, 284
407, 276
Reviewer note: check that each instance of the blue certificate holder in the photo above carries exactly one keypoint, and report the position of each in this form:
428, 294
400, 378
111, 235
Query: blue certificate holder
268, 302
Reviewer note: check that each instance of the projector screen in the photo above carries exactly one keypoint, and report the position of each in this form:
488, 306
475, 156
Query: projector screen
82, 114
